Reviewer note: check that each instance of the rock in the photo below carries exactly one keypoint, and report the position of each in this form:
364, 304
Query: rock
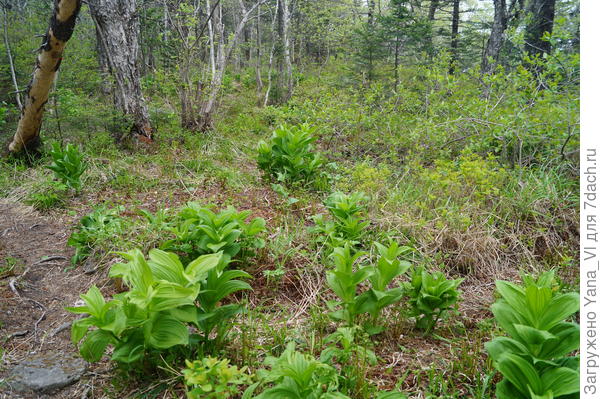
46, 372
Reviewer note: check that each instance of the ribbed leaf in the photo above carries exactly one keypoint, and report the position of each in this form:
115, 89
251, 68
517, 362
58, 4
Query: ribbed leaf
166, 331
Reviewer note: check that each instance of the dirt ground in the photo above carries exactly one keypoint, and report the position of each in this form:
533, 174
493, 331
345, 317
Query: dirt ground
34, 293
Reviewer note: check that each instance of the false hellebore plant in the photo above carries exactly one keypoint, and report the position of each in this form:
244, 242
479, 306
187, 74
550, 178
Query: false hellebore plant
161, 302
533, 358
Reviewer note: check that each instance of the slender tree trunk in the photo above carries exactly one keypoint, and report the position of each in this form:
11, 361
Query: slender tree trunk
454, 37
48, 61
433, 7
11, 65
117, 23
259, 83
271, 55
103, 65
494, 44
224, 51
211, 39
542, 21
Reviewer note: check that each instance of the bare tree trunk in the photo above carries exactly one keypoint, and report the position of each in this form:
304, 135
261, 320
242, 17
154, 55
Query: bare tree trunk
494, 44
224, 51
211, 39
11, 65
282, 55
271, 56
454, 40
117, 23
287, 58
48, 61
259, 83
542, 21
433, 6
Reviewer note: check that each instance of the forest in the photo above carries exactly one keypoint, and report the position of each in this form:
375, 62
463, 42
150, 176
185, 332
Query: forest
289, 199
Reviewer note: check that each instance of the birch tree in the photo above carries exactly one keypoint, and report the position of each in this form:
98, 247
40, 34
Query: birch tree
47, 64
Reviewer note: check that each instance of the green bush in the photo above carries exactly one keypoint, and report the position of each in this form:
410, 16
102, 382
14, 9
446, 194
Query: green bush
432, 296
348, 274
163, 299
289, 157
534, 358
295, 375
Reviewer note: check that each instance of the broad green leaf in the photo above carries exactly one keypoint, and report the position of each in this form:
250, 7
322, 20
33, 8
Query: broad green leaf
561, 381
520, 373
95, 344
559, 308
199, 268
166, 266
165, 331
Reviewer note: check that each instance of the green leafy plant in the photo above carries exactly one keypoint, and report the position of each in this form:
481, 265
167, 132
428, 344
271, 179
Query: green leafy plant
385, 270
348, 273
213, 316
212, 378
345, 349
347, 224
289, 156
152, 316
295, 375
198, 231
431, 297
344, 280
100, 224
533, 358
67, 165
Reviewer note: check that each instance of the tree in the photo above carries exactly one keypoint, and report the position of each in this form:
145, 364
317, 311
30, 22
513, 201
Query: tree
47, 64
494, 43
541, 22
454, 37
118, 28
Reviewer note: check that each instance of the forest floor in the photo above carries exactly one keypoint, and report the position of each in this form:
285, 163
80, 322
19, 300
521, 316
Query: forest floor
469, 218
41, 284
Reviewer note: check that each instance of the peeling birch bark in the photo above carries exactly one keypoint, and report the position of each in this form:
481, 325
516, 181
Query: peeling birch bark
47, 63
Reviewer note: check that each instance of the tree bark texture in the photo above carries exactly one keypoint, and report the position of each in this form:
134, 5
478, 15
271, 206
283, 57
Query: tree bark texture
454, 35
118, 25
48, 61
494, 44
542, 21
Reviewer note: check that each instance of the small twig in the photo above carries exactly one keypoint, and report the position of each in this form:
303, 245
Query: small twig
17, 334
60, 328
50, 258
11, 284
42, 317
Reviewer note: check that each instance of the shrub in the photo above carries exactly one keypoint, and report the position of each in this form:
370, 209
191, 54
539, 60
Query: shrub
533, 358
432, 296
345, 349
67, 165
289, 157
212, 378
